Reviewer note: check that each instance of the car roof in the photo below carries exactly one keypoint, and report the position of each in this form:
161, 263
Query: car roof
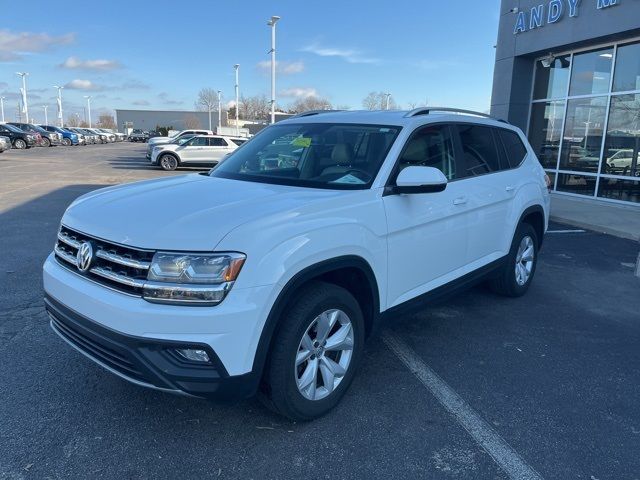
400, 118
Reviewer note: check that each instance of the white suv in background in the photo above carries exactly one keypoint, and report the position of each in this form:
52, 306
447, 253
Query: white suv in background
198, 151
152, 142
268, 273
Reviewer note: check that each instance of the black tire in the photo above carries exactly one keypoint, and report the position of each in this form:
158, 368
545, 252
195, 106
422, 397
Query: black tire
279, 390
66, 142
506, 283
46, 142
20, 144
168, 162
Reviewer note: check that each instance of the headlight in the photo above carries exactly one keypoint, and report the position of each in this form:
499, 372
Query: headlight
201, 279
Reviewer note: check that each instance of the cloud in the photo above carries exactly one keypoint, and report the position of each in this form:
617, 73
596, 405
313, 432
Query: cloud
15, 45
135, 85
3, 85
141, 103
79, 84
348, 54
101, 65
299, 92
164, 98
283, 68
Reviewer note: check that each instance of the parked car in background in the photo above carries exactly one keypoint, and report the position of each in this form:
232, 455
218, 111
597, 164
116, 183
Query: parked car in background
111, 137
47, 139
89, 137
19, 138
102, 137
197, 151
164, 140
68, 138
5, 143
269, 273
138, 135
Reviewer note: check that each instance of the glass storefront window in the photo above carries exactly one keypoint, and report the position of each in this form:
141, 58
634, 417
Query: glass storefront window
580, 184
551, 82
591, 72
622, 145
627, 74
546, 130
582, 139
618, 189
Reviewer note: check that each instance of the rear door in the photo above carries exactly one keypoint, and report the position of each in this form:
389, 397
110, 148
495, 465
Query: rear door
489, 193
427, 233
218, 148
194, 151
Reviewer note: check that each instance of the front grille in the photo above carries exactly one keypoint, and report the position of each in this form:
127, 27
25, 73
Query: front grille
115, 266
100, 350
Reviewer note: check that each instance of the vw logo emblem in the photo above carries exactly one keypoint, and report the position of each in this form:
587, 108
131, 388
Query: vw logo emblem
84, 257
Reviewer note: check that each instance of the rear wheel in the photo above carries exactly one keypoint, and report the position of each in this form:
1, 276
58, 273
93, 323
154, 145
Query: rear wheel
46, 142
168, 162
316, 351
516, 275
20, 144
66, 142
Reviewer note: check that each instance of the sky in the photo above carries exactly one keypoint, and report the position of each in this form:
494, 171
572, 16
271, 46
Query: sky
159, 55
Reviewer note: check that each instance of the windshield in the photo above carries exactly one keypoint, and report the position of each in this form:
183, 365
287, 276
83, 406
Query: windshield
182, 140
318, 155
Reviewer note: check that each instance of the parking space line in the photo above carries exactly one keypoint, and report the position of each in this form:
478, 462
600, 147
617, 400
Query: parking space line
501, 452
566, 231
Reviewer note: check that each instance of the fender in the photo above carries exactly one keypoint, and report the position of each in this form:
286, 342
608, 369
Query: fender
530, 210
297, 281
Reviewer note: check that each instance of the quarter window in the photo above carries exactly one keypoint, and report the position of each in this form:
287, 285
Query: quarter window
431, 146
479, 150
198, 142
513, 147
217, 142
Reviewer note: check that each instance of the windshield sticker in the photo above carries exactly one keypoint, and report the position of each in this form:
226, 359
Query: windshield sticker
349, 179
304, 142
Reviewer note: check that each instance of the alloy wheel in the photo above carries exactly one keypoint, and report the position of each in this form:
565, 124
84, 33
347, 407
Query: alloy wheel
524, 260
324, 354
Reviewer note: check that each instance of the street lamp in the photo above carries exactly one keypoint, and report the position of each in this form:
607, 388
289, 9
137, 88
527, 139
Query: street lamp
272, 24
2, 99
388, 95
88, 97
237, 67
46, 119
60, 117
219, 112
23, 90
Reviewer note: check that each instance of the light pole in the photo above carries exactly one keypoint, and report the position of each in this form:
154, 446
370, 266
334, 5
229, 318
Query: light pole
25, 106
219, 111
388, 95
60, 117
237, 67
46, 119
272, 24
2, 107
88, 97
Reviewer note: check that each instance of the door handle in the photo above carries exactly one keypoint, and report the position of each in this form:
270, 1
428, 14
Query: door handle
510, 188
460, 201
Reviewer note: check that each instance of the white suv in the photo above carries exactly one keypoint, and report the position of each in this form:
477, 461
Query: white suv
152, 142
268, 273
202, 150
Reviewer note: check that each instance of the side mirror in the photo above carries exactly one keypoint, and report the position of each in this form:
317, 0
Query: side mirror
420, 180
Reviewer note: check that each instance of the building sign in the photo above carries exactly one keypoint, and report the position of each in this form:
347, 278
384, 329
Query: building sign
553, 11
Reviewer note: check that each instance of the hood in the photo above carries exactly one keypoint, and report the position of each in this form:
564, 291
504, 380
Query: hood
191, 212
158, 140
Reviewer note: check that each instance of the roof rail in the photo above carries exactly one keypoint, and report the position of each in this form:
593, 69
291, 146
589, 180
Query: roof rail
427, 110
309, 113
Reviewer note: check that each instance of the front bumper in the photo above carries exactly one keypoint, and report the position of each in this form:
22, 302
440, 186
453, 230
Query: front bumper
134, 338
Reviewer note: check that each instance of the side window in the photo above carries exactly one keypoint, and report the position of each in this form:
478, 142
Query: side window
431, 146
217, 142
199, 142
513, 146
479, 150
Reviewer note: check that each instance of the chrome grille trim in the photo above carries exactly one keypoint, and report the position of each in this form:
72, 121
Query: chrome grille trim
121, 260
66, 256
117, 277
72, 242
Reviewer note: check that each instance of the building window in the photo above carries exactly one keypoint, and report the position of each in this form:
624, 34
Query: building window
585, 122
591, 72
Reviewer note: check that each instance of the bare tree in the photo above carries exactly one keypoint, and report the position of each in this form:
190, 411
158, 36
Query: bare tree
424, 103
107, 121
72, 121
310, 103
207, 101
256, 107
378, 101
191, 121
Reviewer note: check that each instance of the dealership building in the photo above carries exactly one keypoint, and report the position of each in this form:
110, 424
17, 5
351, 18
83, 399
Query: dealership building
568, 73
173, 119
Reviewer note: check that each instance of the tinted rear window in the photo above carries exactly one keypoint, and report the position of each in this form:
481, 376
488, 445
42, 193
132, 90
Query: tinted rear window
513, 146
479, 149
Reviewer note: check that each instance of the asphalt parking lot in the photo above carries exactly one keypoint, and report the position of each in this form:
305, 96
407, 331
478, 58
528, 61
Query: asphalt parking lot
545, 386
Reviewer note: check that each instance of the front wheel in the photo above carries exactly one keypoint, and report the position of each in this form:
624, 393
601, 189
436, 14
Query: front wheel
316, 351
20, 144
515, 277
46, 142
66, 142
168, 162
